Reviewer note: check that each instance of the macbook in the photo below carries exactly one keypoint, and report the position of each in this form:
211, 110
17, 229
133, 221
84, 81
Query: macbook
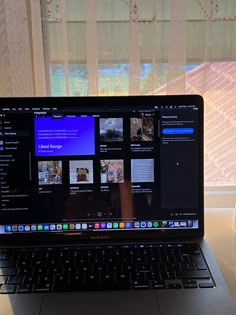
101, 207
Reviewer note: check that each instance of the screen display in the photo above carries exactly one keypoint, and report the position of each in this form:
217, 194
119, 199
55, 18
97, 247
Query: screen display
99, 167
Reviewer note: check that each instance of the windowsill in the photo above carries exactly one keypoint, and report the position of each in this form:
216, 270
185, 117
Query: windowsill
223, 196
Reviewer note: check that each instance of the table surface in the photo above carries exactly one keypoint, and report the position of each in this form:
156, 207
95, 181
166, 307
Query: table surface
220, 232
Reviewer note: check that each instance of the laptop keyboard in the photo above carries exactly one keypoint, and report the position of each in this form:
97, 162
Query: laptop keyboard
126, 267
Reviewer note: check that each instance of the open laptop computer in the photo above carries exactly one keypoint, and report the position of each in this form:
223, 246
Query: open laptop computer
101, 208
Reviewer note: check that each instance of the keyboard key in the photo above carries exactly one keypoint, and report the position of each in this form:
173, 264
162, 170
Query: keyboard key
61, 284
76, 283
141, 284
195, 274
25, 271
7, 271
42, 288
158, 284
206, 285
6, 264
189, 266
168, 275
200, 263
191, 285
14, 280
4, 255
3, 279
25, 288
29, 280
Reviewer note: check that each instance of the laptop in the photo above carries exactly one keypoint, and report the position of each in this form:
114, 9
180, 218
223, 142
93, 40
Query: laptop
101, 208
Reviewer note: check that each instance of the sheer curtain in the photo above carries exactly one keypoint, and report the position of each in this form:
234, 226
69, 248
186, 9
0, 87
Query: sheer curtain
21, 49
126, 47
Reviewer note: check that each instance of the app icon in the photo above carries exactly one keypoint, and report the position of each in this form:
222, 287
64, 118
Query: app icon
14, 228
96, 226
155, 224
46, 227
33, 227
164, 223
183, 224
8, 228
190, 223
71, 226
115, 225
122, 225
143, 224
78, 226
84, 226
59, 227
136, 224
21, 228
149, 224
109, 225
65, 226
103, 225
52, 227
27, 228
39, 227
127, 225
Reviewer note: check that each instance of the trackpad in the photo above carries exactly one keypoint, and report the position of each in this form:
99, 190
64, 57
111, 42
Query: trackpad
106, 303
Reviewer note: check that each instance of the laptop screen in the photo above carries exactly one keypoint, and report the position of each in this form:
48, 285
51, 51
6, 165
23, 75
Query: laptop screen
100, 164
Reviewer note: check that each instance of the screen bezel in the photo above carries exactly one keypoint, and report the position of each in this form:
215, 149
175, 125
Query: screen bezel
94, 102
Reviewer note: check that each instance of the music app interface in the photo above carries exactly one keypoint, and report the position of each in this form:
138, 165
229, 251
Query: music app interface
98, 165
